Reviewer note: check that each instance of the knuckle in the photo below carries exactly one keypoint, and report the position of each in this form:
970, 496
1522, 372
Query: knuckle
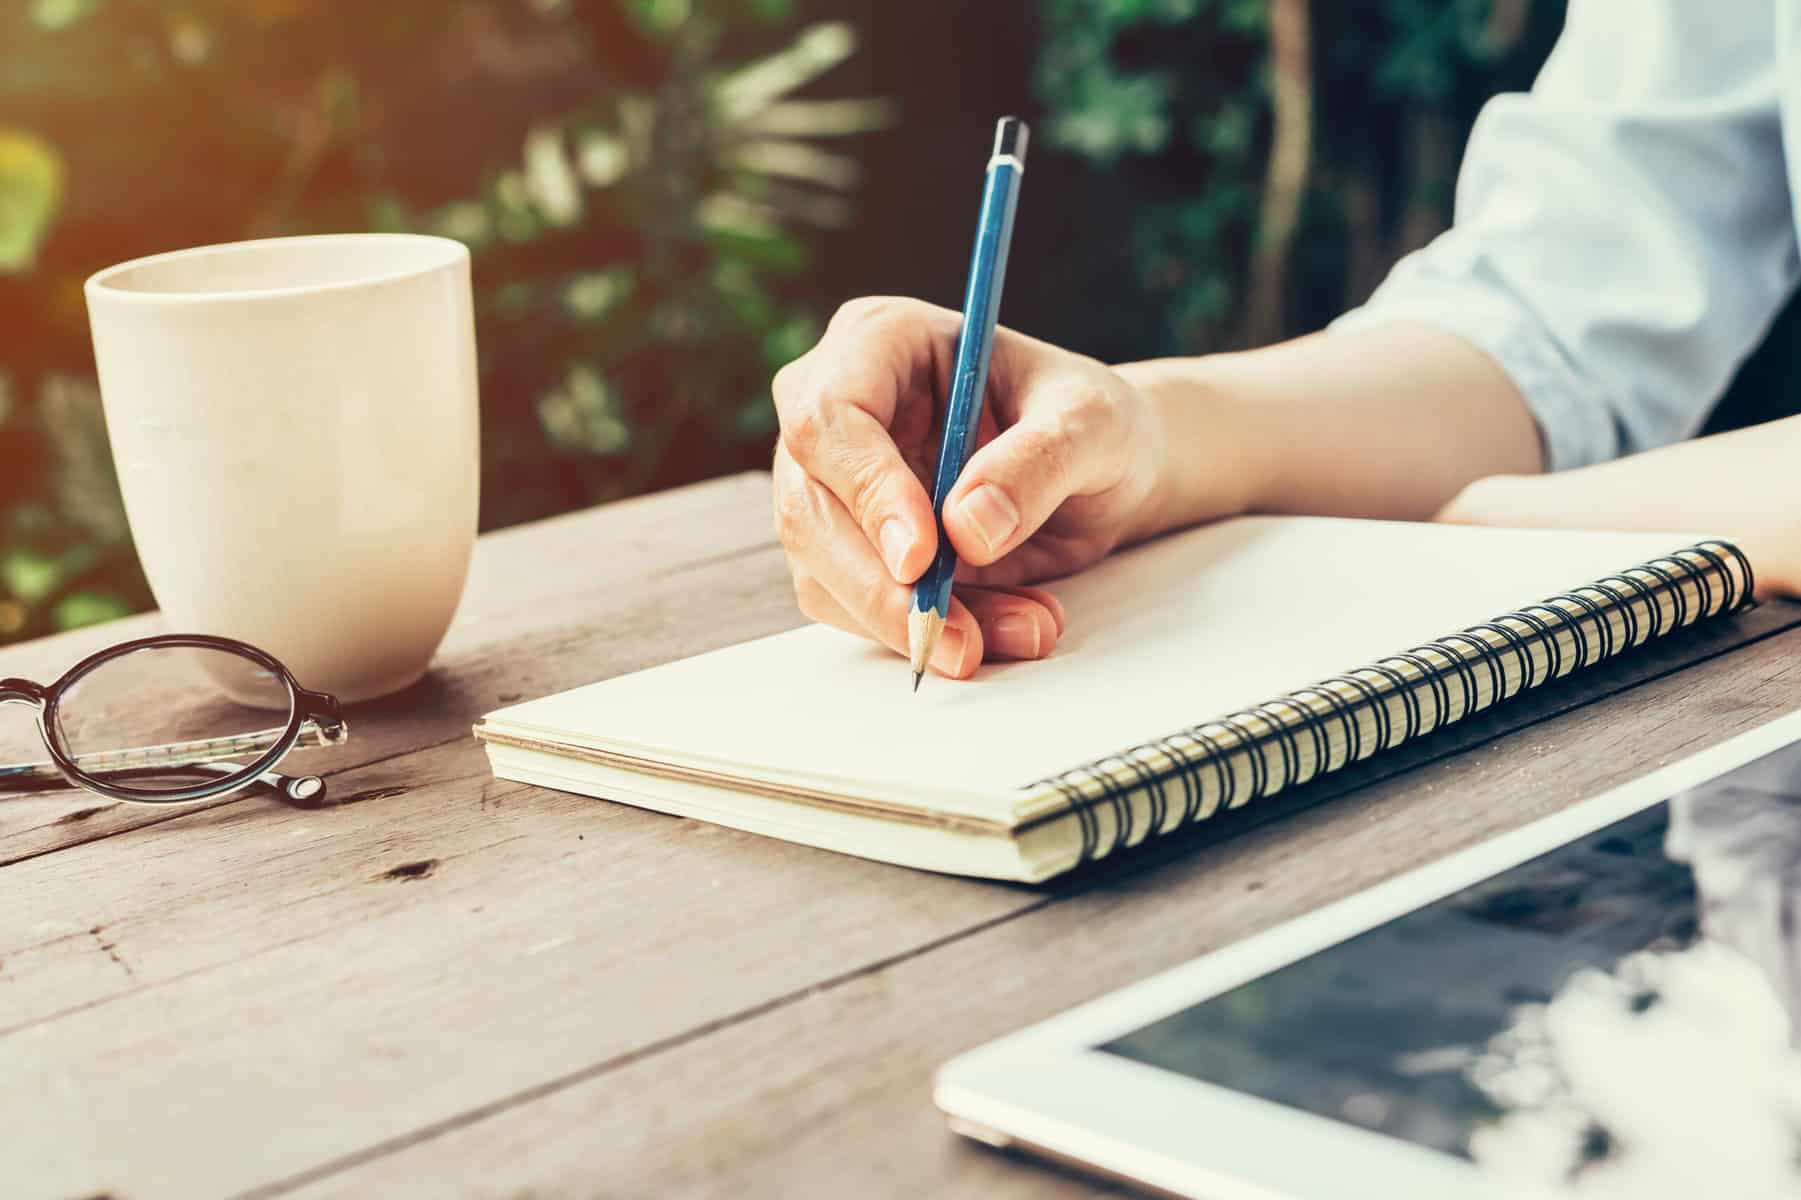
1086, 406
1047, 453
786, 381
867, 309
794, 516
877, 319
805, 422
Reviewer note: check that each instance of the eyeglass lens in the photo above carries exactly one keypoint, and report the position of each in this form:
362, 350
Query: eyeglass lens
160, 696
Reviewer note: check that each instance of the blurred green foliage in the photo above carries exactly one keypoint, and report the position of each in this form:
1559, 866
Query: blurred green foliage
31, 182
1184, 96
639, 181
634, 178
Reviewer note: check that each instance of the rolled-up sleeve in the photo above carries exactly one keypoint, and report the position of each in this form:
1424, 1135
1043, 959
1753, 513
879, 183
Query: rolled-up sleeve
1623, 232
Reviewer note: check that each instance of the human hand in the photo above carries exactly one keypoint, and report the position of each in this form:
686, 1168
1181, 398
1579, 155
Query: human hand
1068, 455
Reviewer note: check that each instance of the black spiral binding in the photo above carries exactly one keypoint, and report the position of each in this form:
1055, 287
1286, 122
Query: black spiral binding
1322, 728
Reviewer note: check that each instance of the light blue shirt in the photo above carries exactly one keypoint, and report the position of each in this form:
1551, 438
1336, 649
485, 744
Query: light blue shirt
1626, 230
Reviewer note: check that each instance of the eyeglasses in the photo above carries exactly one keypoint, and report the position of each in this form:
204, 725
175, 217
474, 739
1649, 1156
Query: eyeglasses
107, 732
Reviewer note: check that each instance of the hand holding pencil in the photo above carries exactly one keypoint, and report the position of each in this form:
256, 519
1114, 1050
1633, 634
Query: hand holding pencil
1066, 460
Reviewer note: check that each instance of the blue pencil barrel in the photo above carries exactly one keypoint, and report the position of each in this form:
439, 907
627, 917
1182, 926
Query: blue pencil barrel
975, 346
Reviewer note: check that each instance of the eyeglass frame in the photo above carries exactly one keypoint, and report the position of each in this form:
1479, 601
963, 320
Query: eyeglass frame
318, 710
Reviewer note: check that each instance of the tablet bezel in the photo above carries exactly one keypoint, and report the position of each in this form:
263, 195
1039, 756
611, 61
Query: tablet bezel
1047, 1089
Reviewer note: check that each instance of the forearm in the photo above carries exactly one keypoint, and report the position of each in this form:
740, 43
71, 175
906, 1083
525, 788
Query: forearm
1390, 421
1744, 485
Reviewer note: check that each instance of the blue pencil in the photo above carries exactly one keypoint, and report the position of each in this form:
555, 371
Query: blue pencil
969, 379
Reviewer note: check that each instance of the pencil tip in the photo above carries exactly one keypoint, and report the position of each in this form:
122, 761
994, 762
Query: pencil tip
917, 676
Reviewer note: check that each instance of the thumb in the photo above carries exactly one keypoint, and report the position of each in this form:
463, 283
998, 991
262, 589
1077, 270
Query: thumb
1015, 482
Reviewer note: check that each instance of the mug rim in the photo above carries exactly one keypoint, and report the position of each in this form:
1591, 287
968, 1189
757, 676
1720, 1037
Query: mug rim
100, 283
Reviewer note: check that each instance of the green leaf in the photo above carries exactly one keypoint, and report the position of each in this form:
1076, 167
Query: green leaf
465, 220
661, 16
768, 248
56, 15
388, 214
584, 415
752, 88
735, 281
1227, 132
190, 40
1244, 16
601, 158
550, 181
31, 187
514, 219
29, 575
1114, 114
87, 608
592, 294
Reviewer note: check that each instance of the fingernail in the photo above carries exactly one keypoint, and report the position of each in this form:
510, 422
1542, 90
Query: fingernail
895, 544
993, 515
947, 656
1015, 635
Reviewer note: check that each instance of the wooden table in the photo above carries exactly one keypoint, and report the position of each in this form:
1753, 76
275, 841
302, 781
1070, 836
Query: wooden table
445, 985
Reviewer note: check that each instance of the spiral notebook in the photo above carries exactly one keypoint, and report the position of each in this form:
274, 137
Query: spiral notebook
1199, 673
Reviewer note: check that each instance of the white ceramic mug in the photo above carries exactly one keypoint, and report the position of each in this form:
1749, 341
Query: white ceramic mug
296, 431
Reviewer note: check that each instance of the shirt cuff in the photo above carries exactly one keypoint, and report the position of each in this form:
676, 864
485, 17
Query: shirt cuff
1575, 426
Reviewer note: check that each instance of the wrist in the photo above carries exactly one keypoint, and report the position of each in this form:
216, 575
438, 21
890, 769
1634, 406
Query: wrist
1206, 458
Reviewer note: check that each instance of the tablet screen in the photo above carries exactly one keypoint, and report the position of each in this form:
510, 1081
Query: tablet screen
1620, 1011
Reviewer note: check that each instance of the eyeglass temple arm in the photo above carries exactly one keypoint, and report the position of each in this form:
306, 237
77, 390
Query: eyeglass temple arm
36, 777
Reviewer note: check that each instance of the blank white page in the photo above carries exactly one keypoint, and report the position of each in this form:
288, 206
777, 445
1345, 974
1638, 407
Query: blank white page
1183, 630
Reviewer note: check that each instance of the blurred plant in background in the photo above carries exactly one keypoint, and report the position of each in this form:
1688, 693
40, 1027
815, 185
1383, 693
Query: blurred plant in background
641, 170
646, 186
1286, 152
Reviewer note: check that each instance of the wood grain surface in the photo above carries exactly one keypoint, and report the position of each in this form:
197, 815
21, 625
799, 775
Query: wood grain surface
443, 985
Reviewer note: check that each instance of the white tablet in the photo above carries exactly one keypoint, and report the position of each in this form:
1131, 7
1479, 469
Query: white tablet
1602, 1004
